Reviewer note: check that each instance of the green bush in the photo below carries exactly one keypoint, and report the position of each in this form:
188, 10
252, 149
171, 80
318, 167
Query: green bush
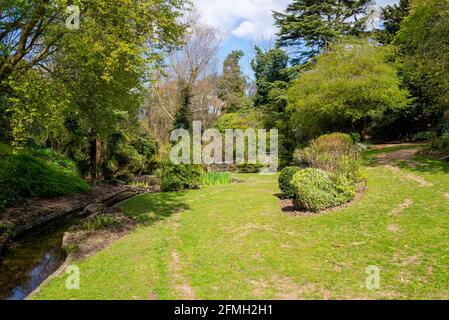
285, 178
440, 144
179, 177
249, 168
56, 159
214, 178
102, 221
23, 175
336, 154
334, 174
314, 190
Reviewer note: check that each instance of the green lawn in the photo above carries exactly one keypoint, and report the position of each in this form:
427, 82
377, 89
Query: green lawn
234, 242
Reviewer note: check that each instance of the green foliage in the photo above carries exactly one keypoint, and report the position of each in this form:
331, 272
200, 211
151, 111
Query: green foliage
102, 220
337, 154
184, 115
232, 83
440, 144
214, 178
284, 180
269, 68
314, 190
349, 85
58, 160
338, 157
179, 177
248, 120
129, 152
310, 26
422, 55
23, 175
249, 167
272, 81
392, 17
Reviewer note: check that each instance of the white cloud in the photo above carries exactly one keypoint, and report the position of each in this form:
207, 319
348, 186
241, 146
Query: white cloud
248, 19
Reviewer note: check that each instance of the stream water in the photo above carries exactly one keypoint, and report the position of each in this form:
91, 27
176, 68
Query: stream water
31, 259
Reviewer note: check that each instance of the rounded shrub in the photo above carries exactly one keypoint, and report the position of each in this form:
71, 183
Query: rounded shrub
314, 190
284, 180
179, 177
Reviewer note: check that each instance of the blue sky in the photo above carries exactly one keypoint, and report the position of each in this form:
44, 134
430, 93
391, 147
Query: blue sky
246, 23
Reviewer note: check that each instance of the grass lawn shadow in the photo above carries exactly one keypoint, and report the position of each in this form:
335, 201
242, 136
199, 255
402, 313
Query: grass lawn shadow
150, 208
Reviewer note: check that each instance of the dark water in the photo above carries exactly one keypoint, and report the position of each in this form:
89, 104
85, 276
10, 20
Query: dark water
31, 259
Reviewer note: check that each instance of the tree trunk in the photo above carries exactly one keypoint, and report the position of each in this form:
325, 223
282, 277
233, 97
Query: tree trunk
95, 145
364, 129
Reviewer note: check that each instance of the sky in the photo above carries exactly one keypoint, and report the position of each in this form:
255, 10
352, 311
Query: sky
246, 23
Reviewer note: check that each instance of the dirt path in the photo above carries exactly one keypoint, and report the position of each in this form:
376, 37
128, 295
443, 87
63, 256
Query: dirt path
390, 160
178, 282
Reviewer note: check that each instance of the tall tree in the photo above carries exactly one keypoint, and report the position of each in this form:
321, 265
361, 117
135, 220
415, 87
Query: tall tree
29, 32
392, 17
423, 58
350, 85
232, 83
310, 25
193, 62
272, 80
106, 65
270, 68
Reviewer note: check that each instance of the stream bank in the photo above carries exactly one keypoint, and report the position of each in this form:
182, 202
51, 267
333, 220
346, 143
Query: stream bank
32, 245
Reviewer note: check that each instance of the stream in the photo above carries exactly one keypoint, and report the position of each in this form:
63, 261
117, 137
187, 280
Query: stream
32, 258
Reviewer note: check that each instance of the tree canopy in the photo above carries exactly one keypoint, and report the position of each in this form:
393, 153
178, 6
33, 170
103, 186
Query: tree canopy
310, 25
350, 84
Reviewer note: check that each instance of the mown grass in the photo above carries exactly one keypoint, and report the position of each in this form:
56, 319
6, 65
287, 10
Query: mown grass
234, 242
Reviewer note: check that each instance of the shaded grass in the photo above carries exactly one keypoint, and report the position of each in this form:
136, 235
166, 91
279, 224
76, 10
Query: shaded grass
234, 242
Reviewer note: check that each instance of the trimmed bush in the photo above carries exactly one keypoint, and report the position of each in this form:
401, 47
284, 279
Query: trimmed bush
314, 190
180, 177
336, 154
284, 180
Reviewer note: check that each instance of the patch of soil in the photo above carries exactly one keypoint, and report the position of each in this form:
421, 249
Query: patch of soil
406, 204
406, 155
81, 242
410, 176
288, 205
178, 281
393, 228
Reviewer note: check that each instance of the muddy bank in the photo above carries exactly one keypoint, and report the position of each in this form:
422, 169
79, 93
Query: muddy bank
33, 244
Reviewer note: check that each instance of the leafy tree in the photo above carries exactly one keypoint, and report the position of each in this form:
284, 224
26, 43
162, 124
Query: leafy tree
232, 83
269, 68
29, 33
184, 115
191, 63
310, 25
350, 84
272, 81
423, 55
392, 17
105, 66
